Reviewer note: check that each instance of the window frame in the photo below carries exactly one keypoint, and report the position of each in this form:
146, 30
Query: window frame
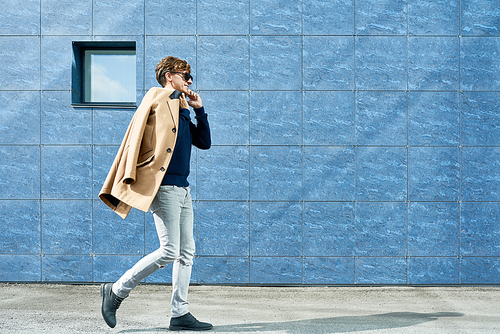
79, 68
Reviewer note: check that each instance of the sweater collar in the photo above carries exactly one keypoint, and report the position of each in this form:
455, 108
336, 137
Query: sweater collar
175, 95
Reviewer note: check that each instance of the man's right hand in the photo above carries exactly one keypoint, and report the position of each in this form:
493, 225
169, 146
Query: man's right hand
183, 104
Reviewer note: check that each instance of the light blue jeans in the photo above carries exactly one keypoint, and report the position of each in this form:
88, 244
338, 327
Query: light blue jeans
173, 215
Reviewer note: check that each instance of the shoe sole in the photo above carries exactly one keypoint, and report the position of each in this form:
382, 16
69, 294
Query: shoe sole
102, 305
182, 328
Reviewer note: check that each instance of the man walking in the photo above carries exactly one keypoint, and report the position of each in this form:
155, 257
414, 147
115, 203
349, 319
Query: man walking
150, 172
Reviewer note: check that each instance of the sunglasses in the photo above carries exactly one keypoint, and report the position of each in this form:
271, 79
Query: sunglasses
186, 75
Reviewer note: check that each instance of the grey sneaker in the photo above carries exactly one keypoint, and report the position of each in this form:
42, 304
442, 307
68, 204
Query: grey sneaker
188, 322
110, 303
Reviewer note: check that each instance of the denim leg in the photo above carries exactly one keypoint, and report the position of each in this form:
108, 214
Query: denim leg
181, 272
167, 209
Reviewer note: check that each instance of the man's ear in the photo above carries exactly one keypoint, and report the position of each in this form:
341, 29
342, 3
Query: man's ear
168, 77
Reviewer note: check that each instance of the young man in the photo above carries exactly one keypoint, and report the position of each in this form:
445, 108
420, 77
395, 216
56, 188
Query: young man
150, 172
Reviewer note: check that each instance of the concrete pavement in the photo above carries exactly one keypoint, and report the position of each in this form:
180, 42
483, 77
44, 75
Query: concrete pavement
52, 308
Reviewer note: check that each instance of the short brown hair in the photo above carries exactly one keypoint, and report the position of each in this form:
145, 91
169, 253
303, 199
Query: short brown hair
170, 64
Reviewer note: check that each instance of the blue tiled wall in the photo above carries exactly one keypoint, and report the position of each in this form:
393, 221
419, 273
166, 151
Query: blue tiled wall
354, 142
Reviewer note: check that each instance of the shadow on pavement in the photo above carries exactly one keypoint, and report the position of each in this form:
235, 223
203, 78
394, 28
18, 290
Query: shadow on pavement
328, 325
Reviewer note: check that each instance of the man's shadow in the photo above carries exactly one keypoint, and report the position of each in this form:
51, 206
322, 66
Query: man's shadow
329, 325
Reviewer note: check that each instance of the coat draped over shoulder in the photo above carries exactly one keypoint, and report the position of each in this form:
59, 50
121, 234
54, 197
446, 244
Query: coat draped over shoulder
144, 154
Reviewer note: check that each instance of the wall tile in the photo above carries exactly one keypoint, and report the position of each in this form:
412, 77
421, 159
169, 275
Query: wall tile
329, 67
178, 18
433, 17
62, 124
380, 270
112, 17
159, 47
329, 173
328, 270
56, 61
329, 230
20, 17
276, 173
223, 62
66, 17
20, 268
66, 268
480, 18
66, 172
280, 17
433, 229
381, 174
110, 126
381, 63
223, 173
433, 63
375, 17
269, 53
275, 229
222, 228
434, 174
434, 119
228, 115
109, 268
273, 122
480, 176
102, 160
480, 229
323, 17
480, 118
227, 270
114, 235
20, 172
275, 270
20, 63
381, 118
381, 229
480, 64
19, 117
328, 118
20, 228
67, 227
433, 270
216, 17
479, 270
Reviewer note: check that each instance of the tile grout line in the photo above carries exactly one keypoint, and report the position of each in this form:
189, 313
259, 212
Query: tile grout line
41, 146
407, 143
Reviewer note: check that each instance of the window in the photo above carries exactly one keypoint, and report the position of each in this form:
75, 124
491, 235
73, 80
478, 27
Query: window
104, 74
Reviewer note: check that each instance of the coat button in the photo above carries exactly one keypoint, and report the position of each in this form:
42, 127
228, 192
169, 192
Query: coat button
174, 130
169, 150
162, 169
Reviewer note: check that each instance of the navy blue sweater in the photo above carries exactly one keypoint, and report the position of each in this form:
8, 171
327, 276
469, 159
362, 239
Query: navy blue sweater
187, 134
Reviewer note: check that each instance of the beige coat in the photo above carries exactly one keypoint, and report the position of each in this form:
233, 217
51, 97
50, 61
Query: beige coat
144, 155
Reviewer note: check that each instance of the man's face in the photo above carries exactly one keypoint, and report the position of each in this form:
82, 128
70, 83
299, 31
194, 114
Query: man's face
181, 81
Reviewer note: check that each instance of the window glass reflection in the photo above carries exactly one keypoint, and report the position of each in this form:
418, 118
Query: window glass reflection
110, 76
